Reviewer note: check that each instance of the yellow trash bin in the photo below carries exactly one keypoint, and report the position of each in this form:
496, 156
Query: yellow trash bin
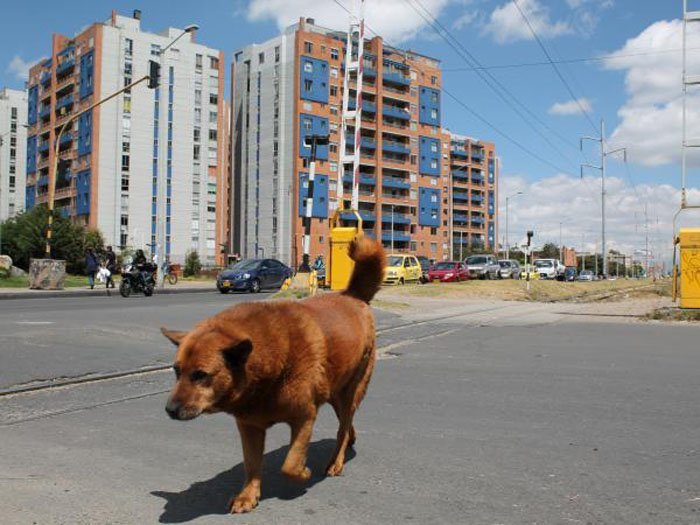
340, 264
689, 244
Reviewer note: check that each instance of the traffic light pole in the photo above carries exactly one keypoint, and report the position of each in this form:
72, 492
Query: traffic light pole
54, 173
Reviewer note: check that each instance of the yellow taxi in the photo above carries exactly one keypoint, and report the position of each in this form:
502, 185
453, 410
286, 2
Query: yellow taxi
402, 268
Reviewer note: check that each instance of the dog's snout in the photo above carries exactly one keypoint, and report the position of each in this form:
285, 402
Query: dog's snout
173, 409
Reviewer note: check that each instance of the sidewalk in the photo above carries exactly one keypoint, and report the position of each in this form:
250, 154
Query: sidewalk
100, 290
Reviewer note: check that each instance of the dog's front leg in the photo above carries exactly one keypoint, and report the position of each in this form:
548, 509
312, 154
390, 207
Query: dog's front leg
253, 440
295, 463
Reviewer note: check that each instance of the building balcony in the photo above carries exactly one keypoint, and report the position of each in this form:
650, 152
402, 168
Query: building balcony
369, 71
396, 112
66, 138
64, 102
398, 218
460, 197
398, 79
477, 179
460, 218
477, 199
45, 78
460, 175
367, 106
477, 223
396, 183
459, 153
477, 156
388, 236
367, 216
364, 179
43, 181
45, 112
396, 147
65, 66
43, 147
368, 143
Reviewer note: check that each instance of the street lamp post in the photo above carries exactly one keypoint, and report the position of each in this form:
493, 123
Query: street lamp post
507, 237
162, 192
392, 228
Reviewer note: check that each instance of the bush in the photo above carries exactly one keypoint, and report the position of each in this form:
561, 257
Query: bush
24, 238
192, 264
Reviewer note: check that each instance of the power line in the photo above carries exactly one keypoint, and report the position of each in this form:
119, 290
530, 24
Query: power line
556, 69
612, 56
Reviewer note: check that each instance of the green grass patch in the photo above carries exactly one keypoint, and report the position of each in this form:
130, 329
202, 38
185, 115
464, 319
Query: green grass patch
674, 314
71, 281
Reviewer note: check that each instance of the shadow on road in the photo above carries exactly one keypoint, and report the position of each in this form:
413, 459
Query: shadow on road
203, 498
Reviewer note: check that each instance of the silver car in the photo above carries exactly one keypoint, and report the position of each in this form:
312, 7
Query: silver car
482, 266
510, 269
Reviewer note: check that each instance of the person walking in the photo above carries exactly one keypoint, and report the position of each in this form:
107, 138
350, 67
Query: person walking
111, 265
91, 266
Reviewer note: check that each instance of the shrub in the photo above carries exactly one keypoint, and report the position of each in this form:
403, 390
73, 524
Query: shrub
192, 264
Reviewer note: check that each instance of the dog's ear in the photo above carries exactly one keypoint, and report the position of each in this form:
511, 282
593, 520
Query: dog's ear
237, 354
175, 336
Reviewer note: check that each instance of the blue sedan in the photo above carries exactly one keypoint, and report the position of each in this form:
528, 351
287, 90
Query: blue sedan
253, 275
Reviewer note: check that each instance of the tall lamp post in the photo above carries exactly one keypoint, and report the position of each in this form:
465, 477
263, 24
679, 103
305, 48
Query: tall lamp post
162, 192
507, 237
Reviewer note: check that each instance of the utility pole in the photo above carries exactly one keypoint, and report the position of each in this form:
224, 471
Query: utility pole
603, 155
507, 238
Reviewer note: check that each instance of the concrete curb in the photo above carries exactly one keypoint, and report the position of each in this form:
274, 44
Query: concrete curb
43, 294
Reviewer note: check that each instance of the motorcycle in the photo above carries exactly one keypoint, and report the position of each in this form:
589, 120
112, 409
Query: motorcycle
137, 281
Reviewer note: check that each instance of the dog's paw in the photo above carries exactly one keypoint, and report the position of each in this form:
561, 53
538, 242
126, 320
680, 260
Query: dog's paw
301, 476
334, 469
242, 503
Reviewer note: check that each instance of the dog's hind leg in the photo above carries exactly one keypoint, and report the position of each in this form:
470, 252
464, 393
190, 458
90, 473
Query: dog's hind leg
253, 441
294, 465
353, 437
345, 406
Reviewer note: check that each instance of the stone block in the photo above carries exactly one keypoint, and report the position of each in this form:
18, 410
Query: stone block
46, 274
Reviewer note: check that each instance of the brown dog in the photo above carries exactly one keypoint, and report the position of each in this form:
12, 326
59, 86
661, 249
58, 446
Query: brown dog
278, 362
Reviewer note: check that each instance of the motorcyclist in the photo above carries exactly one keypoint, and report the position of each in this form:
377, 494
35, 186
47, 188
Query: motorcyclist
142, 265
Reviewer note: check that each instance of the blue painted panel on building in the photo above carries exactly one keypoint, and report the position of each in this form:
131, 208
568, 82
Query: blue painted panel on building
492, 203
313, 79
32, 105
320, 207
29, 197
87, 74
492, 170
31, 154
429, 207
85, 133
312, 125
82, 197
429, 112
429, 149
492, 233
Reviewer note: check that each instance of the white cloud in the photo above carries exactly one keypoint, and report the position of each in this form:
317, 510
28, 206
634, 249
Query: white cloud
465, 19
576, 203
506, 24
394, 20
19, 67
651, 117
571, 107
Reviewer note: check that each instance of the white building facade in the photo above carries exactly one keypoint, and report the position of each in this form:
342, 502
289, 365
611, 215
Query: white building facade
13, 151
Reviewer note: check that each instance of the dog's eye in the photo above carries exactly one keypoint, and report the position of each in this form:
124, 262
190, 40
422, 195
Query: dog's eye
198, 375
176, 369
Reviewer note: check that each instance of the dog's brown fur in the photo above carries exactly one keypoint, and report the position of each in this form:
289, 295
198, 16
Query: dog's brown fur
278, 362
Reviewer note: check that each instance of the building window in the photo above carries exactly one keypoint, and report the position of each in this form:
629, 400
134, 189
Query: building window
334, 53
334, 91
155, 50
434, 97
213, 98
212, 134
213, 63
198, 61
308, 47
196, 152
433, 80
308, 84
197, 134
308, 67
433, 147
261, 57
433, 114
277, 53
334, 72
307, 124
128, 47
213, 116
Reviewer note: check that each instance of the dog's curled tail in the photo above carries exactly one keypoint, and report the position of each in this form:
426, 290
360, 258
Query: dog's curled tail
368, 273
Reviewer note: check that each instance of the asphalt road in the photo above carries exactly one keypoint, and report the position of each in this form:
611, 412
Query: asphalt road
512, 414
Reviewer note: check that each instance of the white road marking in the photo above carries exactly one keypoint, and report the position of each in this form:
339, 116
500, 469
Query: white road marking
35, 322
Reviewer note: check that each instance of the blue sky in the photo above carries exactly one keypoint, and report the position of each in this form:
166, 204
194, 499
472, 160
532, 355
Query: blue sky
635, 93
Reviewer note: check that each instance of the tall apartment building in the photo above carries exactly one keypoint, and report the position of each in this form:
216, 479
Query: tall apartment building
147, 166
13, 145
473, 194
292, 86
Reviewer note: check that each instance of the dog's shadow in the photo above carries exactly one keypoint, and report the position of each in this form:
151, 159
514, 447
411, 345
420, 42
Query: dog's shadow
211, 496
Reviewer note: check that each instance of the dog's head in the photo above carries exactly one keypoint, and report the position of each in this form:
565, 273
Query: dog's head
209, 368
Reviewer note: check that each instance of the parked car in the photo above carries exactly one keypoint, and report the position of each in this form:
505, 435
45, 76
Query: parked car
253, 275
510, 269
402, 268
448, 271
570, 273
586, 275
482, 267
424, 266
549, 268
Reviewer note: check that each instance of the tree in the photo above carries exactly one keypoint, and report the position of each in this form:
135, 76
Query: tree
192, 264
549, 251
24, 238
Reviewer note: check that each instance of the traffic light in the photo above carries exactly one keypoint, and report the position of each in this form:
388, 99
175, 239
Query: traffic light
530, 233
153, 74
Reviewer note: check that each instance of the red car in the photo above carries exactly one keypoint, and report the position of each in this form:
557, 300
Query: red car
448, 271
